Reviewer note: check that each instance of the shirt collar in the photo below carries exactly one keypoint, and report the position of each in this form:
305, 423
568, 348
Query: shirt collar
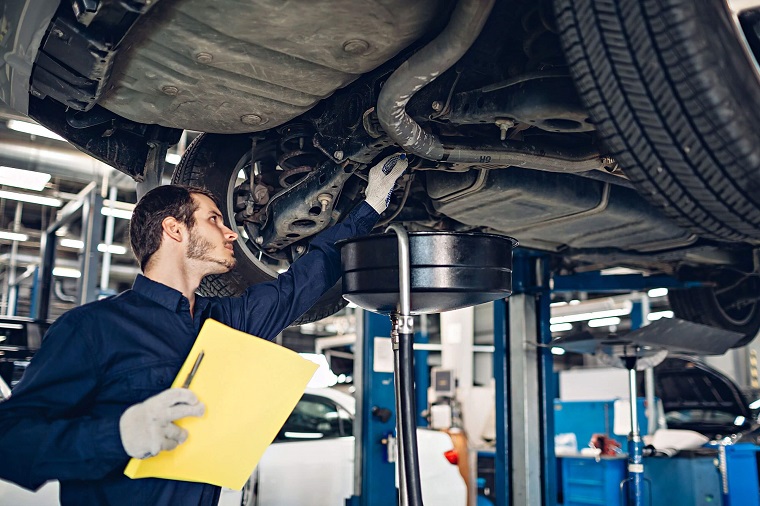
158, 292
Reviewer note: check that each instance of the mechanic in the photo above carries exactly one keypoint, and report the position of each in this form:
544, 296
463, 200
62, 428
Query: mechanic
96, 393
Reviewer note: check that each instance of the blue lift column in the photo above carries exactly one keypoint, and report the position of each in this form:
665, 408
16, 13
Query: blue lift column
374, 428
525, 387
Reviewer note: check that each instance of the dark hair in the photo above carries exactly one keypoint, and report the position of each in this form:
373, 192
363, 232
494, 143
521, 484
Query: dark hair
145, 229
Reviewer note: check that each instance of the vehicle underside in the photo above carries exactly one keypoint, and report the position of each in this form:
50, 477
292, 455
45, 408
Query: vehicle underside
297, 100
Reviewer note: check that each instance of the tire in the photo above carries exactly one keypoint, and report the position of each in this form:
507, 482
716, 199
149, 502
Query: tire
675, 102
712, 307
210, 162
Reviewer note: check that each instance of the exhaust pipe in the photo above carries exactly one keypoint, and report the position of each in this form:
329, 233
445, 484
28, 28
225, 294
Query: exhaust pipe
424, 67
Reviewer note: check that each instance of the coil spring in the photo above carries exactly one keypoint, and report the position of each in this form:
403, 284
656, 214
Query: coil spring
299, 156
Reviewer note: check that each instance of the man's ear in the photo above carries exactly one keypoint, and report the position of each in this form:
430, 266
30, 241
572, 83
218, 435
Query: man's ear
173, 228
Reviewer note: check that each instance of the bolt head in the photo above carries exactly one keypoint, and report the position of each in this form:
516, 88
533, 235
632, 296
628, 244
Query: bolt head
300, 249
170, 90
338, 155
437, 105
356, 46
204, 57
252, 119
259, 240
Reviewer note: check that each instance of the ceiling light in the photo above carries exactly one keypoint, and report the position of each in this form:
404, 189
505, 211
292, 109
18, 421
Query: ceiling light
590, 316
32, 199
557, 351
13, 236
561, 327
71, 243
559, 303
755, 404
115, 249
66, 272
33, 129
739, 420
604, 322
116, 213
12, 326
27, 179
173, 158
657, 292
659, 314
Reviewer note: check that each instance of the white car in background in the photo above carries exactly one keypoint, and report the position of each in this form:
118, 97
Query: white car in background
311, 462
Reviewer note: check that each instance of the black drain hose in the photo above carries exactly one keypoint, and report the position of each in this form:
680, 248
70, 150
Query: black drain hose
407, 422
402, 338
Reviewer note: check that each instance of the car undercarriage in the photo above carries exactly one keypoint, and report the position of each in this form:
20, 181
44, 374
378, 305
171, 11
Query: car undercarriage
492, 101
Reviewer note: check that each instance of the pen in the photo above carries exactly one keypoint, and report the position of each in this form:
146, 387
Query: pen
194, 370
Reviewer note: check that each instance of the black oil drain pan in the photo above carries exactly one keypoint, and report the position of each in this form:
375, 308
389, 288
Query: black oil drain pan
449, 270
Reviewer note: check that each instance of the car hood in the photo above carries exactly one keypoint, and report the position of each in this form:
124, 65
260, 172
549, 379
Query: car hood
698, 397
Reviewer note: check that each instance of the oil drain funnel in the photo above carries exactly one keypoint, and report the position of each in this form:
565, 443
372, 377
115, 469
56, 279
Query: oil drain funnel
401, 274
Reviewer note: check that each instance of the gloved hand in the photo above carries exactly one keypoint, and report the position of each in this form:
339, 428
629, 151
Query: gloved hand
146, 428
382, 177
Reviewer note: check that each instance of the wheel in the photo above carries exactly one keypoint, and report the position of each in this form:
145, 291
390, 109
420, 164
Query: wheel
214, 162
674, 97
732, 306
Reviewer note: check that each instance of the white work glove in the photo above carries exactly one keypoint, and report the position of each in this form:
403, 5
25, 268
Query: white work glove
146, 428
382, 177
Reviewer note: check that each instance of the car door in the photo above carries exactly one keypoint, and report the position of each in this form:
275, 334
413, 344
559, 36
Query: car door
312, 458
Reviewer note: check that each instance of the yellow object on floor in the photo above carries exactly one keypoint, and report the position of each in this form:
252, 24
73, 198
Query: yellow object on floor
249, 386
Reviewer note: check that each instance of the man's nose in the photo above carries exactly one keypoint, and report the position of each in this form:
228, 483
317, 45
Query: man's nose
229, 234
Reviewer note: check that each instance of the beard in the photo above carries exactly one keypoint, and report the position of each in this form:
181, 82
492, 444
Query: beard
201, 249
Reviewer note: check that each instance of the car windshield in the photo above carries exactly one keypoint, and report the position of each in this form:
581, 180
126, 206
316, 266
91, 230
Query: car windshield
701, 416
316, 418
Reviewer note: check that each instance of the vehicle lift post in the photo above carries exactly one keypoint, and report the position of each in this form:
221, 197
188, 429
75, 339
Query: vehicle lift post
525, 466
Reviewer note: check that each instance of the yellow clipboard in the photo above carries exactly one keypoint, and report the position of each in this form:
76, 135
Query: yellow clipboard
249, 386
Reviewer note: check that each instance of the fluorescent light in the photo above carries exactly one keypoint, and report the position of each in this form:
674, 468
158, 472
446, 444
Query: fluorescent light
557, 304
618, 271
115, 249
33, 129
66, 272
755, 404
116, 213
71, 243
590, 316
574, 302
557, 351
561, 327
12, 326
13, 236
657, 292
32, 199
604, 322
659, 314
27, 179
173, 158
739, 420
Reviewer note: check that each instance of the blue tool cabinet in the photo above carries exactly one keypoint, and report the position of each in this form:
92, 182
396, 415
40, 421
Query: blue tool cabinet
586, 481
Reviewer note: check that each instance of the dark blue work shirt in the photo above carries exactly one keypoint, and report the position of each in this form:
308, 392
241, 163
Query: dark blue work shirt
62, 421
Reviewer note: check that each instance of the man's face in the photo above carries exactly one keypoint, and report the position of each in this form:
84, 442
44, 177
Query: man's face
210, 239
